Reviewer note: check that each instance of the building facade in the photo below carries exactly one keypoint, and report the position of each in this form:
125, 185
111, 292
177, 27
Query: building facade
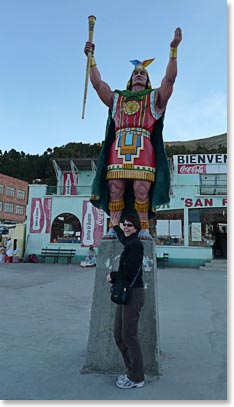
187, 228
61, 215
192, 228
13, 199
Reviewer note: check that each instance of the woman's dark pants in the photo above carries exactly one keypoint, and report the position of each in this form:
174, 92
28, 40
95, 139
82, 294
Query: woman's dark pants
125, 334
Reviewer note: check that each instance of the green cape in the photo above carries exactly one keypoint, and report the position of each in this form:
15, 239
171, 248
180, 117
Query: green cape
159, 191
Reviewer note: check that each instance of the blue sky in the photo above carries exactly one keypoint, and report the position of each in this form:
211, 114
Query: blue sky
42, 68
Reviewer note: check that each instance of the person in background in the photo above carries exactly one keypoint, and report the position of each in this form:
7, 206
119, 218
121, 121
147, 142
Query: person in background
2, 252
91, 258
127, 316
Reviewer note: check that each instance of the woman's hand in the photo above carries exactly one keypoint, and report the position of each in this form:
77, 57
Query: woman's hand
108, 278
115, 218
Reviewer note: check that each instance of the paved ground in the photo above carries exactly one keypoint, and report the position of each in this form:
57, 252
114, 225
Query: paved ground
44, 325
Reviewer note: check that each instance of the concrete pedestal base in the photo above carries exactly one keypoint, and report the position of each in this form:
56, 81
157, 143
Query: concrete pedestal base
102, 354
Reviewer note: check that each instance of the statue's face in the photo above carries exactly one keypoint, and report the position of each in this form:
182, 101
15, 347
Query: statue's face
139, 78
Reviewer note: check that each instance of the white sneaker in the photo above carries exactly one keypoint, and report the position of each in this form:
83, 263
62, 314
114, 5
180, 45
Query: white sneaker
122, 378
128, 384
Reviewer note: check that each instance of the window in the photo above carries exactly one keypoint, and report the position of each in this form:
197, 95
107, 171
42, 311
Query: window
19, 210
1, 189
203, 224
10, 191
66, 228
9, 207
213, 184
1, 206
20, 194
169, 227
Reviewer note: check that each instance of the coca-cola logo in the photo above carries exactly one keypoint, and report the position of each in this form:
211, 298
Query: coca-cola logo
192, 169
92, 225
100, 217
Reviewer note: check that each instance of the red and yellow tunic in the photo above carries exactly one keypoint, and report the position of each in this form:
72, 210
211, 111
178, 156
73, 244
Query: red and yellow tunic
131, 155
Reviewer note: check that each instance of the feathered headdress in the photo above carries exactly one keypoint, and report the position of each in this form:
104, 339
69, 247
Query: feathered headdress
144, 63
141, 65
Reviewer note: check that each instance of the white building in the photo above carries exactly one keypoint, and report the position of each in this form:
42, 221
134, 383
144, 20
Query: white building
197, 212
62, 216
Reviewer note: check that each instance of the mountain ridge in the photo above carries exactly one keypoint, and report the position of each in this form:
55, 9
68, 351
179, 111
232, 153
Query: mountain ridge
208, 142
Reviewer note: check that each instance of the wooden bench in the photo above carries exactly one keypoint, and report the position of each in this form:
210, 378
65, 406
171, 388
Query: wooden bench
56, 254
162, 259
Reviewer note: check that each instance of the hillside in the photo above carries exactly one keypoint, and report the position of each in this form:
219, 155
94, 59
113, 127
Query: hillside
207, 143
31, 167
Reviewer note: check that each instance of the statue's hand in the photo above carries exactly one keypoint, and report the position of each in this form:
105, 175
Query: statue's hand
177, 38
89, 47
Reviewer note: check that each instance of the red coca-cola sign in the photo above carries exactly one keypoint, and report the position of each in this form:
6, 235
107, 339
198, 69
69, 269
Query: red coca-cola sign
40, 218
192, 169
92, 225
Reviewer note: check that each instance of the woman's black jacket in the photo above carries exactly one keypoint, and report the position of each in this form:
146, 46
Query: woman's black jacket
130, 260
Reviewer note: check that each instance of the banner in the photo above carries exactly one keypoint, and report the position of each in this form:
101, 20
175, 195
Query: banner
40, 217
70, 183
200, 159
92, 225
202, 169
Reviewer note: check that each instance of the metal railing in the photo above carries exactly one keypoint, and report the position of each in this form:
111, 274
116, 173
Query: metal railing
71, 191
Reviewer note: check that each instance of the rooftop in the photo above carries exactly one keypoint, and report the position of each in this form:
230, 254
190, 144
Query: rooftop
80, 163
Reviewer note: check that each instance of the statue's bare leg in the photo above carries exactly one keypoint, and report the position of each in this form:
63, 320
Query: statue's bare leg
141, 191
116, 205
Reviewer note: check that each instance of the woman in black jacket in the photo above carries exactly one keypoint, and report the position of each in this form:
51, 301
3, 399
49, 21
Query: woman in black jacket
127, 316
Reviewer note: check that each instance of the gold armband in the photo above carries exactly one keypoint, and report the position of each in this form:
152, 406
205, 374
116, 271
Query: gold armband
144, 225
116, 205
142, 206
173, 52
92, 62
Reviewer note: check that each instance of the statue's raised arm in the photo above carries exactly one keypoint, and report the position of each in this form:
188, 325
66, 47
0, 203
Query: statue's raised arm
166, 88
102, 88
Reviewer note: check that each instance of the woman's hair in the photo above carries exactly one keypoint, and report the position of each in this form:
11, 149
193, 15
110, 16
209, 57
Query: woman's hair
135, 221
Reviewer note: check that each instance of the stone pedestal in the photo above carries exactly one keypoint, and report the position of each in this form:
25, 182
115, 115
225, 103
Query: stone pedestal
102, 354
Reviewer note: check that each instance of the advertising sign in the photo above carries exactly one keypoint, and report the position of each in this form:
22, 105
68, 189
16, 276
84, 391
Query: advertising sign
70, 183
190, 164
192, 169
200, 159
196, 232
92, 225
40, 217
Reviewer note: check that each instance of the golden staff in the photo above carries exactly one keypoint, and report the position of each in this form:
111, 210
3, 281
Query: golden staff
92, 20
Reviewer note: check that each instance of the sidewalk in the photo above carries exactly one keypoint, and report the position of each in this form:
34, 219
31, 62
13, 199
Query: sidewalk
45, 314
